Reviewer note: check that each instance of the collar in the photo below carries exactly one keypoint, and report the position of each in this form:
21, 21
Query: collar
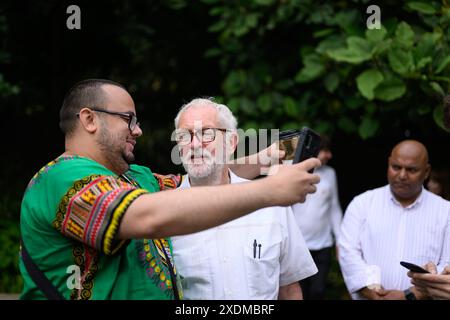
416, 202
233, 179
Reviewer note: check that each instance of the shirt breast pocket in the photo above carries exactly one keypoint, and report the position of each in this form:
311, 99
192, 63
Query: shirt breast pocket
262, 262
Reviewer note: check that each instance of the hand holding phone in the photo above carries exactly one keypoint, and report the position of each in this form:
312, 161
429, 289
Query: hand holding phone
300, 145
413, 267
288, 141
308, 145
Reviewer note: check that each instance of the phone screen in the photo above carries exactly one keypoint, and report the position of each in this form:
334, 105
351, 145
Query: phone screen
289, 142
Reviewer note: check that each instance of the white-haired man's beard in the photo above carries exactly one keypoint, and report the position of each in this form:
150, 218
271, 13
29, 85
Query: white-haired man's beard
200, 164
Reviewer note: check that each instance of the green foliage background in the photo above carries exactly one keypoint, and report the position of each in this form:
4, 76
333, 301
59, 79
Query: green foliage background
276, 63
317, 64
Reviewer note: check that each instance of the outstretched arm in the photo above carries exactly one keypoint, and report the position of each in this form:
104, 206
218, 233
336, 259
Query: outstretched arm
257, 164
184, 211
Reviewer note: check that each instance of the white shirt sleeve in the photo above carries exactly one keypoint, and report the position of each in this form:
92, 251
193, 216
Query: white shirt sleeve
353, 267
296, 262
335, 207
445, 257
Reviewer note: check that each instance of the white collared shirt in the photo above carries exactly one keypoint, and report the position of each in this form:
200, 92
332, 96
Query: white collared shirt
377, 232
247, 258
320, 216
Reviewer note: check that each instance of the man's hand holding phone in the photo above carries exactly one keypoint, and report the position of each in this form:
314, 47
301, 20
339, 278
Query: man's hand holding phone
413, 267
300, 145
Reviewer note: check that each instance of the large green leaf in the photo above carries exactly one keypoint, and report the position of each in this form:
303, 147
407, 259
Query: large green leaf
358, 50
443, 64
381, 47
390, 89
438, 116
346, 19
368, 81
401, 61
313, 68
424, 62
422, 7
426, 45
218, 26
368, 127
376, 35
331, 43
251, 20
404, 35
437, 88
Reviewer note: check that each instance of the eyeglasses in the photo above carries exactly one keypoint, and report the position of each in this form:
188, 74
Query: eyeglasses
205, 135
128, 116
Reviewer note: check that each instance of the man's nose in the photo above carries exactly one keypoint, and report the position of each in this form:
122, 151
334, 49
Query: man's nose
196, 142
137, 131
403, 174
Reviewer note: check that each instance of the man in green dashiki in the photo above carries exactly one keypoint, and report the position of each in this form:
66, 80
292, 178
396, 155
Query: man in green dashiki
96, 226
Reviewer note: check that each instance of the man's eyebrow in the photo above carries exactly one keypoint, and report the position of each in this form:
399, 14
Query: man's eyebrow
396, 164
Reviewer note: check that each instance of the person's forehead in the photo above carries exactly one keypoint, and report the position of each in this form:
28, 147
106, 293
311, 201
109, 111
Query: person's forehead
204, 117
118, 99
407, 160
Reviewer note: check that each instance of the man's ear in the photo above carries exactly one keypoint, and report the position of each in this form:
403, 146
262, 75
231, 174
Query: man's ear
88, 121
233, 142
427, 171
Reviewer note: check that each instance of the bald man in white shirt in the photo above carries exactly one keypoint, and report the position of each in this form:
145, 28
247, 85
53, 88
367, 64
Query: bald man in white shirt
260, 257
434, 285
398, 222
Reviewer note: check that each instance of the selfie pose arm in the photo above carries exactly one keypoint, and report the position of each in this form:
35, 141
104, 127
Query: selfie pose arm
195, 209
257, 164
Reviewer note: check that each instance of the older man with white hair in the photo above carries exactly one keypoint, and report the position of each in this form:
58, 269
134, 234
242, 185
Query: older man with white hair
260, 256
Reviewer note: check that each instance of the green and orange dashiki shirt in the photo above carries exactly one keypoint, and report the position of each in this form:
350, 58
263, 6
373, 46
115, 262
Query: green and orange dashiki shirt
70, 216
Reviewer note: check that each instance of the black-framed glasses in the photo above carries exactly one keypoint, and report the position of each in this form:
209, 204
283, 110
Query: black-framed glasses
205, 135
130, 117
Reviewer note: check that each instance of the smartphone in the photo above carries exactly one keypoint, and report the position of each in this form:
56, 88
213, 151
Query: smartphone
308, 145
288, 141
413, 267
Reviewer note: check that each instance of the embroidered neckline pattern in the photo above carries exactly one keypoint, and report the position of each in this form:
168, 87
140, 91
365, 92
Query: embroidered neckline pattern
154, 261
86, 259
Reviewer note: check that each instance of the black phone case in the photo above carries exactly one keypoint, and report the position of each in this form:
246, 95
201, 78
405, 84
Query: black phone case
413, 267
308, 145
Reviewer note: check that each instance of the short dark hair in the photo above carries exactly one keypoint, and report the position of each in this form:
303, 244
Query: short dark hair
86, 93
447, 111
